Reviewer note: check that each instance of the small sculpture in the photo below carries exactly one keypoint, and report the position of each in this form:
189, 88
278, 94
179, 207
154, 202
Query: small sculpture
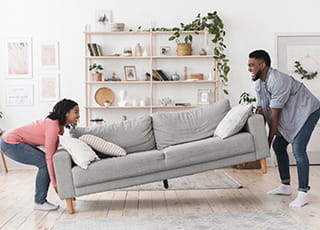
123, 101
166, 101
203, 52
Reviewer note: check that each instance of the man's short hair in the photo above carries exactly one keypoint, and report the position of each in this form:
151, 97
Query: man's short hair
262, 55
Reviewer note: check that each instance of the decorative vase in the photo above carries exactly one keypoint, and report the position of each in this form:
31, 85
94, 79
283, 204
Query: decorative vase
138, 50
175, 77
97, 76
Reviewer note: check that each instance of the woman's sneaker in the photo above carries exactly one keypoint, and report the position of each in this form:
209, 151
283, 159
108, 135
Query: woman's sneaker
46, 206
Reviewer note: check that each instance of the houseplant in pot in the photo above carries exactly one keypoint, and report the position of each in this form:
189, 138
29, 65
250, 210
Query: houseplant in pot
96, 71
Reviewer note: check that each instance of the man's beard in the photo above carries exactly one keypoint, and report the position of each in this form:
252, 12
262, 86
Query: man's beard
258, 75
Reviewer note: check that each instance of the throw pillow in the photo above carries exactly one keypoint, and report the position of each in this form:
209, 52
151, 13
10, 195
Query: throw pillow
234, 121
103, 146
80, 152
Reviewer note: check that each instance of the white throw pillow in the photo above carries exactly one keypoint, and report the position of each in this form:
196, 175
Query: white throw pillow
80, 152
103, 146
234, 121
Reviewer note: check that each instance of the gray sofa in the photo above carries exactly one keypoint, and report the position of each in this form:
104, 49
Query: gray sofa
162, 146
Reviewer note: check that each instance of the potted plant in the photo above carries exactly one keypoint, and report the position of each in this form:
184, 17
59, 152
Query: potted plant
96, 71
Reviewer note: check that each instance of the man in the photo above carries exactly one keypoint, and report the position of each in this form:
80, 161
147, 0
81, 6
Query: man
292, 112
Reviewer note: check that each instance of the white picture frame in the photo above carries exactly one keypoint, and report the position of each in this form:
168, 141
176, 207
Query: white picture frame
130, 73
204, 96
19, 95
19, 58
48, 55
102, 20
165, 50
49, 89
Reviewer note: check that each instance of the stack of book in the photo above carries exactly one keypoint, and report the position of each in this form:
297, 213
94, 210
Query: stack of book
94, 49
159, 75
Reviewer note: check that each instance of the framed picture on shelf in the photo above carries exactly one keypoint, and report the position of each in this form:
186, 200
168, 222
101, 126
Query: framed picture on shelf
48, 55
19, 58
204, 96
49, 87
165, 50
130, 73
19, 95
102, 20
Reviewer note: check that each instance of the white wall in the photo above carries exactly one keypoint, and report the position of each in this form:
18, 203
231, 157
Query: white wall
249, 24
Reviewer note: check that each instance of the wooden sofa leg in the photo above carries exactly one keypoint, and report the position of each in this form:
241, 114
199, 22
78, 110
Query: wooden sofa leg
70, 205
4, 162
263, 164
165, 184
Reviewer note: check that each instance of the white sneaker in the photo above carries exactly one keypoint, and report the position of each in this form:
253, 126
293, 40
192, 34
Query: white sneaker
46, 206
300, 201
283, 189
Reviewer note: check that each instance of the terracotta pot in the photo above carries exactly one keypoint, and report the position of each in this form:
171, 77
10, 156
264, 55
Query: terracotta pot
97, 76
184, 49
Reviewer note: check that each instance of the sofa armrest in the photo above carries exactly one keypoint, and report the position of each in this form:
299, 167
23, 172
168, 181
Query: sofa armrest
62, 167
256, 126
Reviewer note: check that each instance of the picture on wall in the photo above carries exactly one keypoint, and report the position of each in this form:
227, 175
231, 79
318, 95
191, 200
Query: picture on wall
18, 95
102, 20
19, 58
130, 73
204, 96
49, 87
48, 55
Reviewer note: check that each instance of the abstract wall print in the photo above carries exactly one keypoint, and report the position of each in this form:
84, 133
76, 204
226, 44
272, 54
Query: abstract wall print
304, 49
19, 58
102, 20
49, 87
49, 55
19, 95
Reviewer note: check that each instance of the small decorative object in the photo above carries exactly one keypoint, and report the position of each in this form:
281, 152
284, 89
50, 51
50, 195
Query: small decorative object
135, 102
175, 77
130, 73
165, 50
146, 100
304, 73
138, 50
142, 103
104, 94
166, 101
123, 101
198, 76
185, 73
204, 96
145, 52
117, 27
96, 69
97, 121
203, 52
184, 49
127, 52
107, 103
124, 117
113, 78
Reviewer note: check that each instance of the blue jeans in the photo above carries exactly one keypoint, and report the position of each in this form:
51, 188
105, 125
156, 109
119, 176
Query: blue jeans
27, 154
299, 149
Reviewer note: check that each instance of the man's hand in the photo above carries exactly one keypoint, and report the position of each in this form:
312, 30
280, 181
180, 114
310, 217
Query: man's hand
274, 121
56, 189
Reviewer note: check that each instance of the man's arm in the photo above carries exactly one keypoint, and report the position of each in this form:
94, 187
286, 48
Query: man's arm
274, 121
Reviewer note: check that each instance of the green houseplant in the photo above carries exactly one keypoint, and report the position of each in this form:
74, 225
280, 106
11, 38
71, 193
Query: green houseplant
96, 71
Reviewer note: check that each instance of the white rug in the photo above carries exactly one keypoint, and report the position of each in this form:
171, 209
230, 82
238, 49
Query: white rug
261, 220
218, 180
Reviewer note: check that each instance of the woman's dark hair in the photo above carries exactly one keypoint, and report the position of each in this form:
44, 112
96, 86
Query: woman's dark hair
61, 109
261, 54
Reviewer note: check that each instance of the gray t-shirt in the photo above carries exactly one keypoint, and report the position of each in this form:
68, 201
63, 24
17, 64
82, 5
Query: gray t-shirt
284, 92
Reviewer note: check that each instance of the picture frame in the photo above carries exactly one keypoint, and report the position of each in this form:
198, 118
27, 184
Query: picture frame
19, 58
304, 48
49, 89
19, 95
165, 50
130, 73
102, 20
48, 55
204, 96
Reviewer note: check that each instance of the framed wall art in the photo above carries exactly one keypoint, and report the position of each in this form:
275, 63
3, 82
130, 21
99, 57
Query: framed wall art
204, 96
19, 58
130, 73
48, 55
102, 20
49, 87
19, 95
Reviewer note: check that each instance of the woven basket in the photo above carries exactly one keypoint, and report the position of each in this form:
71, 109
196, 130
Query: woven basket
184, 49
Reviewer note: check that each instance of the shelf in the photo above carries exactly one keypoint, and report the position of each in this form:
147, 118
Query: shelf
140, 107
185, 82
149, 82
140, 32
151, 57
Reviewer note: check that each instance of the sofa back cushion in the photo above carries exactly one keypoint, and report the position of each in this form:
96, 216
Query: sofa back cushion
171, 128
133, 135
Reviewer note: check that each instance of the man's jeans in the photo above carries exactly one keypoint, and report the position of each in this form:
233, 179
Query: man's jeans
27, 154
299, 147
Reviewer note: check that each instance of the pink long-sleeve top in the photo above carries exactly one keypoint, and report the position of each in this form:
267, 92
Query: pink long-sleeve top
41, 132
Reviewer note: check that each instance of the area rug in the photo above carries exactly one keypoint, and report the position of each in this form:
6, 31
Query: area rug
210, 180
261, 220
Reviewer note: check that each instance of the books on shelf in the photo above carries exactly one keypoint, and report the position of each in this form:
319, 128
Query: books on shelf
94, 49
182, 104
159, 75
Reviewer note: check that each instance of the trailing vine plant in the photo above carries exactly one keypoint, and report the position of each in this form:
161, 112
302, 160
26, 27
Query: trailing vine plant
304, 73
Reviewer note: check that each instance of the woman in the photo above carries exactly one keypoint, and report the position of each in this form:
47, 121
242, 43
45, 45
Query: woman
20, 145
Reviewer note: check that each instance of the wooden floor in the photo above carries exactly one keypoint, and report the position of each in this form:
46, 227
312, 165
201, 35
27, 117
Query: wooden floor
17, 188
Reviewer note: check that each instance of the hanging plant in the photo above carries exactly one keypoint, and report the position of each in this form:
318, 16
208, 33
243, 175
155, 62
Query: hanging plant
304, 73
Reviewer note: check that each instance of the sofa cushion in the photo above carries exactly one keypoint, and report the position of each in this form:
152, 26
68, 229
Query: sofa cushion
171, 128
234, 121
209, 149
103, 146
134, 164
133, 135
